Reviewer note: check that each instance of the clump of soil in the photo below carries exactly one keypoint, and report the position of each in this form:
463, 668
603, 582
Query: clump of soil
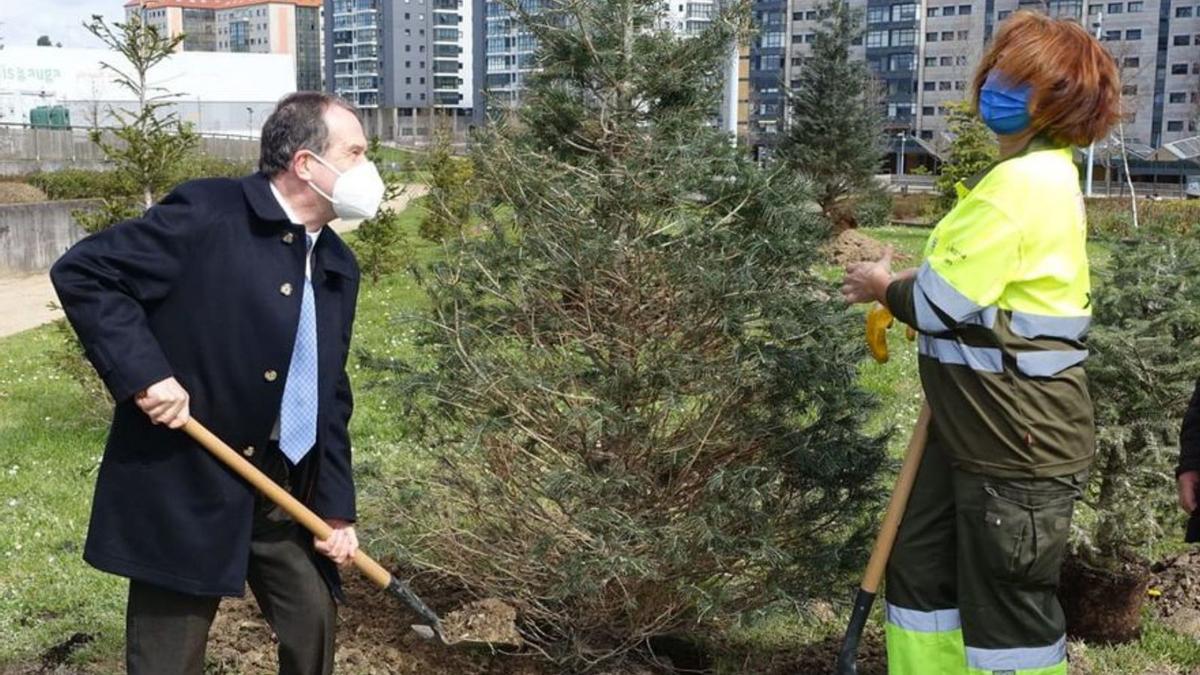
373, 638
488, 620
19, 193
1174, 593
1103, 606
852, 246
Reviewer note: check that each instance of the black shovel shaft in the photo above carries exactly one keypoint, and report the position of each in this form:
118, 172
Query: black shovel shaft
848, 657
401, 590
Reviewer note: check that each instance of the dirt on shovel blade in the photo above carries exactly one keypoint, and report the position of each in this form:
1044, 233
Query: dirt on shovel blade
488, 620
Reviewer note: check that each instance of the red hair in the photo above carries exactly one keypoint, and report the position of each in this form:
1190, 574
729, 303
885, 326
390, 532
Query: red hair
1076, 85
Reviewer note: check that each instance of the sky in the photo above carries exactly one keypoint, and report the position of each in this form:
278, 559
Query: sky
22, 21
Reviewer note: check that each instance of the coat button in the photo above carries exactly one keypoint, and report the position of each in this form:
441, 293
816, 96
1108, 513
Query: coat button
270, 375
289, 238
249, 451
286, 289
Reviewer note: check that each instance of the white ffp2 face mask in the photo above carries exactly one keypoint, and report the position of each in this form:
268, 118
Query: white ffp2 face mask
357, 192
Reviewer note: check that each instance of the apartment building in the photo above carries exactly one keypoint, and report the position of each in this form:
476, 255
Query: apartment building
924, 55
249, 26
409, 65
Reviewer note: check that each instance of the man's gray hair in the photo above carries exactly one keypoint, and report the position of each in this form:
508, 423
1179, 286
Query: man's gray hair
298, 123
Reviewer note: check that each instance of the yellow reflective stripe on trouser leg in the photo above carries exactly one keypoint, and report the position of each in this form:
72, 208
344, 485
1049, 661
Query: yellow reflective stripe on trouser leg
924, 643
1045, 660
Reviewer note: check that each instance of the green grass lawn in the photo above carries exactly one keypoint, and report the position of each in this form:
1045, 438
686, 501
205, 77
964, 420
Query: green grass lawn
49, 450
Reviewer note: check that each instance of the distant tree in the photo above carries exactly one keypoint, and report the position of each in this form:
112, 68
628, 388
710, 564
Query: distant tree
835, 138
451, 192
44, 41
152, 141
380, 242
972, 149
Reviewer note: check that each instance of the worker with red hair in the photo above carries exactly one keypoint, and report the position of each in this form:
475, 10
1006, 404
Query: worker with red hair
1002, 307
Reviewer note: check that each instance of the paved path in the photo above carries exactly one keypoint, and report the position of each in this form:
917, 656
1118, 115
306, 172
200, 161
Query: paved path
25, 300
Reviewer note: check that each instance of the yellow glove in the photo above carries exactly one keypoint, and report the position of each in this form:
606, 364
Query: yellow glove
879, 320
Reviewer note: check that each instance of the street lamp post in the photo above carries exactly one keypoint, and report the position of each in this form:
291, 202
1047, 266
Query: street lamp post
250, 121
1092, 147
900, 158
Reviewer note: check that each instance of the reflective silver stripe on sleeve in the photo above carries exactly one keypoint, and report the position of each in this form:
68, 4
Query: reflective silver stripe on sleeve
1017, 658
1029, 325
1050, 362
947, 298
927, 319
936, 621
986, 359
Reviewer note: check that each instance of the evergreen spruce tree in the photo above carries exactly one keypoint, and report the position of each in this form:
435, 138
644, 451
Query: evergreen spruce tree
639, 398
380, 242
972, 149
1142, 371
451, 192
834, 135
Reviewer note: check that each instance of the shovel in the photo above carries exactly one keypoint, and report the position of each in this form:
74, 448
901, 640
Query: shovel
847, 658
462, 625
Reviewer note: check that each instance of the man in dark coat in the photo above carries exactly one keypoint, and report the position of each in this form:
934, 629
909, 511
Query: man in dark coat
229, 300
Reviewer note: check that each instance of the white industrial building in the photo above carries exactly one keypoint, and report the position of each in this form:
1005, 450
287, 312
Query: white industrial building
220, 93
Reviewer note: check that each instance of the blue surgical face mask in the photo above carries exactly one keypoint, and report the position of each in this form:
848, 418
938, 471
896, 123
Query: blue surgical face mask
1004, 107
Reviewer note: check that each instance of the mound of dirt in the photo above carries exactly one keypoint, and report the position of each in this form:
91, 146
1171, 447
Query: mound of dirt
20, 193
373, 638
487, 620
1175, 592
852, 246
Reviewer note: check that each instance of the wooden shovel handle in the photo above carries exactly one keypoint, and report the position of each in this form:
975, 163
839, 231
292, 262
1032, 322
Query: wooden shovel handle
302, 514
895, 510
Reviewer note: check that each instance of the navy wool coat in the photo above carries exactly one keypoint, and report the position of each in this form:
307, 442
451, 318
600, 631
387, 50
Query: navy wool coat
206, 287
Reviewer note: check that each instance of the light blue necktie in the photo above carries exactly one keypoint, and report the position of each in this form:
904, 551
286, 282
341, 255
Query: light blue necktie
298, 413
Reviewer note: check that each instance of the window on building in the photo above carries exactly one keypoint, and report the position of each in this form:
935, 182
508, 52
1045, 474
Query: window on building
948, 11
930, 85
931, 37
1112, 35
1134, 7
902, 62
1178, 68
1182, 40
944, 85
904, 12
964, 9
1116, 8
797, 16
877, 14
1003, 14
810, 15
960, 60
946, 61
927, 134
1183, 12
960, 85
964, 35
1196, 68
933, 12
904, 37
930, 61
947, 35
1129, 90
1133, 34
1175, 125
1177, 97
927, 110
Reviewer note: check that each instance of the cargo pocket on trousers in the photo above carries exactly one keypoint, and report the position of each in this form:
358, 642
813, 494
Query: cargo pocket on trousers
1008, 536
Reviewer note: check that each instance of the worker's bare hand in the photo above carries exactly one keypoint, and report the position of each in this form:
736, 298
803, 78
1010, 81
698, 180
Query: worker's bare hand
341, 546
1188, 482
165, 402
867, 282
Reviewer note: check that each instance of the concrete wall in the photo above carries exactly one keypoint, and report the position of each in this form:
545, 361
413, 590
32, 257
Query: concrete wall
33, 236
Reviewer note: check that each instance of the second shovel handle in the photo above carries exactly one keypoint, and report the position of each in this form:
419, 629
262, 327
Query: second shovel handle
895, 510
